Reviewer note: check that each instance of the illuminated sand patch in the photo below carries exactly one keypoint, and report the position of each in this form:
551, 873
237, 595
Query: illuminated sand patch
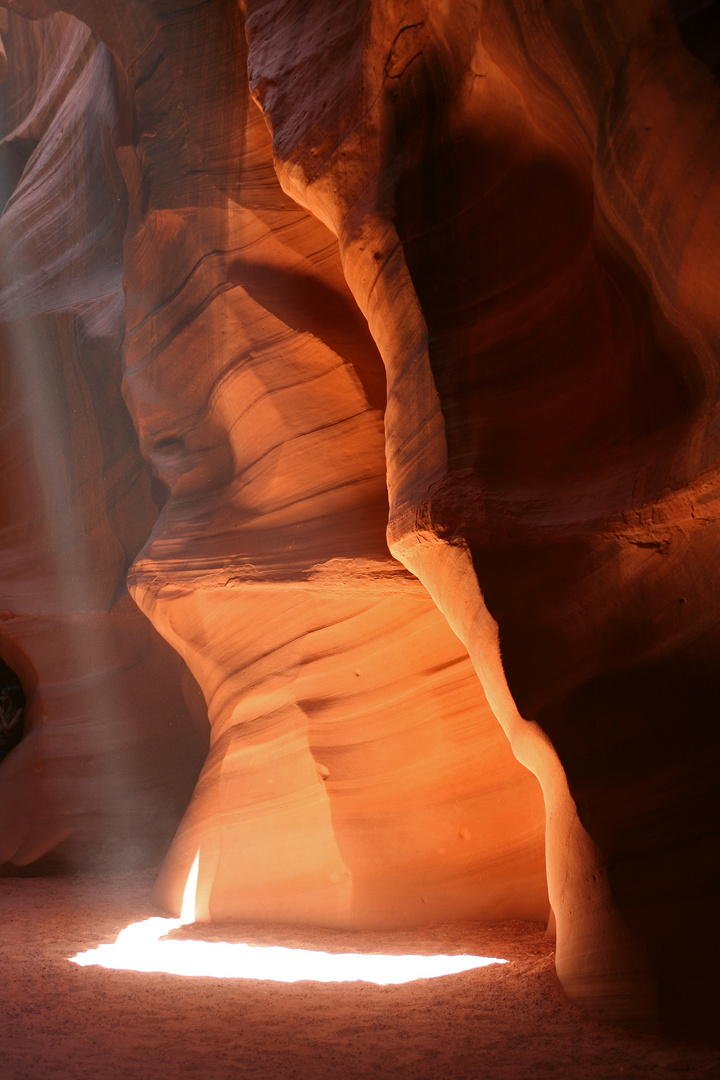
139, 948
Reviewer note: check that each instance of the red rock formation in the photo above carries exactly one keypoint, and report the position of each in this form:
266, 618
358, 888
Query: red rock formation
342, 785
521, 199
542, 300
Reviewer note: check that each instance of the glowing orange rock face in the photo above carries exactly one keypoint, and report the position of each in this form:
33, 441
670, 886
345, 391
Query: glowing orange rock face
481, 311
526, 214
356, 775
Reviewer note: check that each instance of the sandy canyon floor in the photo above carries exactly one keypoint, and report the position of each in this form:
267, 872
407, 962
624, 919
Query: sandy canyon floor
507, 1021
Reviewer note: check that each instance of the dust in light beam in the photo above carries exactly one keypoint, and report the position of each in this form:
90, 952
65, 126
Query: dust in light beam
142, 946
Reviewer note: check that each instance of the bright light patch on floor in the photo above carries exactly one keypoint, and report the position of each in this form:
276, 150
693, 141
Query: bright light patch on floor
139, 948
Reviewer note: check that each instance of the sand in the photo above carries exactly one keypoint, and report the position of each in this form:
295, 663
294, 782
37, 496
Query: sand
506, 1021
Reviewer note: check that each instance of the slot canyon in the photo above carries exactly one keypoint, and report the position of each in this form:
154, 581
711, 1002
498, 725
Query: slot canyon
361, 489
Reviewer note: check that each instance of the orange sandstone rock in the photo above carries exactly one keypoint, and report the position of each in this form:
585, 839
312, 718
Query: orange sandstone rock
452, 273
525, 199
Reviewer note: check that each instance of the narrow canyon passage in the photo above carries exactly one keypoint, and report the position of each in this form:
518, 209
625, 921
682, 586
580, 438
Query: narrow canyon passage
360, 513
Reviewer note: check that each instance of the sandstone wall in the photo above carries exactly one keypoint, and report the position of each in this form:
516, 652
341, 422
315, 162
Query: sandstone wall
420, 338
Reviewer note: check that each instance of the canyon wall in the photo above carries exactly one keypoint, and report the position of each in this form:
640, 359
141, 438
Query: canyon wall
416, 309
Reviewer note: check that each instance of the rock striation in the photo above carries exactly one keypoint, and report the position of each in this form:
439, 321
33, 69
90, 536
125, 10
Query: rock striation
417, 313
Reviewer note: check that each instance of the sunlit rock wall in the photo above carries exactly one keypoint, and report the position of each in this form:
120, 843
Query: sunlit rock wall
342, 784
526, 202
347, 724
450, 270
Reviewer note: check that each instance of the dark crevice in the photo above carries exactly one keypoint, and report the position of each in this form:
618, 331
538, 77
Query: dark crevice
699, 25
12, 709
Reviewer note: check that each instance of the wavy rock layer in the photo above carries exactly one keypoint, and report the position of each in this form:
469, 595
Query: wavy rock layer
356, 775
343, 783
524, 198
486, 290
